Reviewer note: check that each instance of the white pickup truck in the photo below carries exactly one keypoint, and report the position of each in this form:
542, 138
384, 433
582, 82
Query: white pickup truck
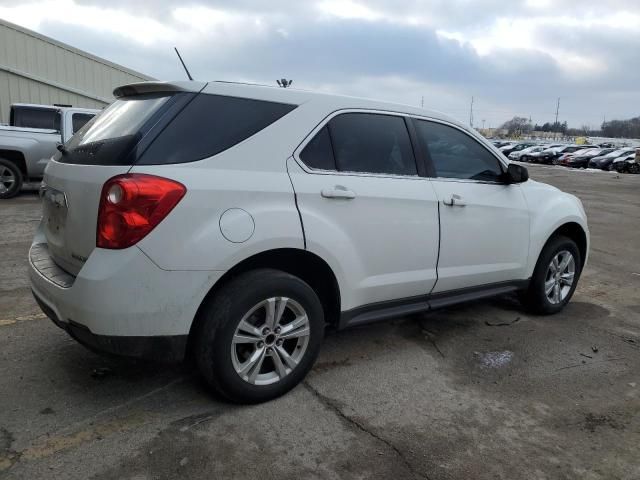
31, 138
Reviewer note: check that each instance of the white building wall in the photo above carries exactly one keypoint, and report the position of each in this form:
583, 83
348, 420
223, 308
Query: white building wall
38, 69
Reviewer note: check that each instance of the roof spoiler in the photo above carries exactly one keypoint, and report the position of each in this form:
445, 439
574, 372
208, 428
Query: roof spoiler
157, 87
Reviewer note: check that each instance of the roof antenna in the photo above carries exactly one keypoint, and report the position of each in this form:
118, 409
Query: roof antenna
284, 83
183, 65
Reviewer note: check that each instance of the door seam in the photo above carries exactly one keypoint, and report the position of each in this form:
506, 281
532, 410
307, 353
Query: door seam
295, 201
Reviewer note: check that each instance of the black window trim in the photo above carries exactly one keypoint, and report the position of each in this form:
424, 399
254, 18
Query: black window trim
420, 165
429, 163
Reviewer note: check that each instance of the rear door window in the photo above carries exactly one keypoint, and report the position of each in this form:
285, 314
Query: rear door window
319, 153
372, 143
209, 125
455, 154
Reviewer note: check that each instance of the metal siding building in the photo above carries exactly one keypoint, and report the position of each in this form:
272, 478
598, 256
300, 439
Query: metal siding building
38, 69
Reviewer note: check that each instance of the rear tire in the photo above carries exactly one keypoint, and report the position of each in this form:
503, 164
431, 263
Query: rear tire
267, 317
549, 291
10, 179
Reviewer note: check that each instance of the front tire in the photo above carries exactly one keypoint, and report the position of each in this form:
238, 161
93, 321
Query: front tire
555, 277
10, 179
259, 336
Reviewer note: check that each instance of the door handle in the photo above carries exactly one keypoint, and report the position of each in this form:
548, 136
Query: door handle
338, 192
454, 200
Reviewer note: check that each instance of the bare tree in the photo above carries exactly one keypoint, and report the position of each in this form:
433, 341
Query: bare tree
517, 126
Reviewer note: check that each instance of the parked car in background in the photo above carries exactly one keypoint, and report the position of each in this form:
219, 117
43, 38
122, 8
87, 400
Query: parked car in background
567, 157
549, 155
30, 140
516, 148
537, 157
581, 158
248, 218
628, 164
604, 161
521, 154
565, 154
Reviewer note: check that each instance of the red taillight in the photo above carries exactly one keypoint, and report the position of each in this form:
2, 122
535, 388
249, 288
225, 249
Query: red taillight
132, 205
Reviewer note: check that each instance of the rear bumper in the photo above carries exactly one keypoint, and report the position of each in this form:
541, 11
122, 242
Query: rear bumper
121, 302
157, 348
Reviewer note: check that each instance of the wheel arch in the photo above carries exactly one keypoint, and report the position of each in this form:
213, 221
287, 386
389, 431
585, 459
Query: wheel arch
301, 263
575, 232
16, 157
570, 229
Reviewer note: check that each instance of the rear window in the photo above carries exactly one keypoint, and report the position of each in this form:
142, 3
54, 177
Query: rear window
109, 137
209, 125
27, 117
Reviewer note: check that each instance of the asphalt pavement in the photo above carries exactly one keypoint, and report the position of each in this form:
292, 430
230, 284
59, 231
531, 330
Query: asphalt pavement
481, 391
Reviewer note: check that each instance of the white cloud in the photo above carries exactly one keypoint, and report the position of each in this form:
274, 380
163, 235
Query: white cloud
348, 10
525, 33
140, 29
446, 50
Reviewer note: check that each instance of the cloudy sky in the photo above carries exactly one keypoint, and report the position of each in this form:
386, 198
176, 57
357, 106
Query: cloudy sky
515, 57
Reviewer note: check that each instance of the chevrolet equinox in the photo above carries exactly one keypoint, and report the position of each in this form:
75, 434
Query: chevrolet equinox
234, 222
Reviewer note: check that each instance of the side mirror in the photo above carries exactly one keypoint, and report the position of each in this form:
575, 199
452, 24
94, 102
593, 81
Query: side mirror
517, 173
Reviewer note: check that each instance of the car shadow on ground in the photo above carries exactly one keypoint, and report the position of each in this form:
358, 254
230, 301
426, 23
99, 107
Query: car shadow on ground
451, 335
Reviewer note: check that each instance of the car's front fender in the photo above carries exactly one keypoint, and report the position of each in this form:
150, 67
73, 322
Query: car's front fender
551, 209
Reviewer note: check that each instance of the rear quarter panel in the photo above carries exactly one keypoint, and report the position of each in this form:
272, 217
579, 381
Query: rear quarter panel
190, 238
251, 176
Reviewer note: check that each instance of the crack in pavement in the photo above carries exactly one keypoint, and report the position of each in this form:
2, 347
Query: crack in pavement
332, 405
431, 338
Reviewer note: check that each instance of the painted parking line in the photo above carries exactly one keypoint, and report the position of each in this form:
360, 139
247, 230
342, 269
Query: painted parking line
11, 321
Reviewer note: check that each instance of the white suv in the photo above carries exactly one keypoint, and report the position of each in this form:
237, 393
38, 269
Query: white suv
235, 222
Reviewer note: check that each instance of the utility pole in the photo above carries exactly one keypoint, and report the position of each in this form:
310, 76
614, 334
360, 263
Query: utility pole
483, 120
557, 108
422, 102
471, 114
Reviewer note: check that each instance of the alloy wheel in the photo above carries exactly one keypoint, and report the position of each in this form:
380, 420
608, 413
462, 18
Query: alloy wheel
560, 277
7, 179
270, 341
